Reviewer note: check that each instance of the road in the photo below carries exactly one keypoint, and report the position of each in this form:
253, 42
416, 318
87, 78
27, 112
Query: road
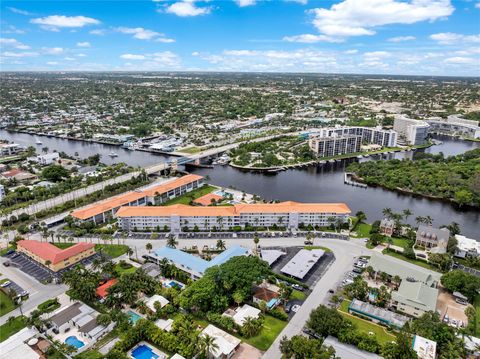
38, 292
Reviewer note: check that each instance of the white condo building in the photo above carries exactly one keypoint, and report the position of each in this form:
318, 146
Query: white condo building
285, 214
454, 125
410, 132
2, 192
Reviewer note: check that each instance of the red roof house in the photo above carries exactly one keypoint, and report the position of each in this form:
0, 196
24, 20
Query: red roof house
102, 290
48, 252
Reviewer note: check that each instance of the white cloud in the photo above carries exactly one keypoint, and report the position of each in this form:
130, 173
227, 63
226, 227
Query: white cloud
52, 50
401, 38
477, 5
69, 58
187, 8
139, 32
52, 63
360, 17
132, 57
310, 38
376, 55
451, 38
303, 2
19, 11
10, 29
351, 52
54, 22
81, 55
243, 3
83, 44
98, 32
459, 60
18, 54
165, 40
13, 43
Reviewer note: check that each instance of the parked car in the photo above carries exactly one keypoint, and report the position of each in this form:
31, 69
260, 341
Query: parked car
461, 301
311, 333
295, 308
288, 307
308, 241
10, 251
5, 284
357, 270
331, 291
297, 287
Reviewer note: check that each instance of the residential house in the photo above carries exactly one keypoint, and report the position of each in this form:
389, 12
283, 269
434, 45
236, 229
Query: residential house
387, 227
466, 247
415, 298
269, 297
433, 239
240, 314
226, 343
19, 175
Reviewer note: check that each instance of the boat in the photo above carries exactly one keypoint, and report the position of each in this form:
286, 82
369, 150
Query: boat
359, 156
38, 142
113, 154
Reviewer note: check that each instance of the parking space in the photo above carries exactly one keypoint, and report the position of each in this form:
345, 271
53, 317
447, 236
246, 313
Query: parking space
450, 311
12, 286
358, 267
467, 269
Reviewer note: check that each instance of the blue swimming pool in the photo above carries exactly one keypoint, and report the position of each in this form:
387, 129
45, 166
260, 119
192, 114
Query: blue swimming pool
144, 352
74, 342
134, 317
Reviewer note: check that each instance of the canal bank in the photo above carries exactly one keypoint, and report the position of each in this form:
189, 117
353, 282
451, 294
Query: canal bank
322, 183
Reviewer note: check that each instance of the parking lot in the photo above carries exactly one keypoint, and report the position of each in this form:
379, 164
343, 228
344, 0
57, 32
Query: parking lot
12, 286
450, 311
314, 274
467, 269
38, 271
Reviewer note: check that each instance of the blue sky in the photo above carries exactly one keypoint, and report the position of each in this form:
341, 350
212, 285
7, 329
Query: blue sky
420, 37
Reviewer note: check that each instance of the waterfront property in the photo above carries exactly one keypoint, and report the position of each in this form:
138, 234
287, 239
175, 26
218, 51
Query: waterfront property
377, 314
182, 217
154, 195
433, 239
387, 227
466, 247
195, 266
53, 257
46, 159
455, 125
410, 132
10, 149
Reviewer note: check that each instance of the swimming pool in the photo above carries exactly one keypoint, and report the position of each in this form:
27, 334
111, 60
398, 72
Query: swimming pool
144, 352
172, 284
74, 342
221, 193
134, 317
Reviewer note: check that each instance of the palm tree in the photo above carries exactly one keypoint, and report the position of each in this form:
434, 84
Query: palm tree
220, 244
407, 213
171, 242
149, 247
250, 327
207, 344
361, 216
428, 220
387, 212
129, 252
220, 222
256, 240
420, 219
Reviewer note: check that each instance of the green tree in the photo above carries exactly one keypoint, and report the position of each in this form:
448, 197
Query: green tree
54, 173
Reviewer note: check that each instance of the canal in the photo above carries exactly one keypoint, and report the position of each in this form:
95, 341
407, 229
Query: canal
323, 183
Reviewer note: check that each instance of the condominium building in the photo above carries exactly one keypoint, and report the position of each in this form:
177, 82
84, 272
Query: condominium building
454, 125
180, 217
341, 140
46, 159
466, 247
2, 192
53, 257
9, 149
155, 195
410, 132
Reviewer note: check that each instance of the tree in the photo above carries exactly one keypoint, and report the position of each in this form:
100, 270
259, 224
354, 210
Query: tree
387, 212
401, 349
220, 245
256, 240
361, 217
251, 326
172, 242
238, 297
358, 289
326, 321
104, 319
55, 173
149, 247
407, 213
454, 228
207, 344
129, 252
442, 261
460, 281
300, 347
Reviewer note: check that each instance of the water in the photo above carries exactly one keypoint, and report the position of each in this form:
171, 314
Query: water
134, 317
314, 184
144, 352
74, 342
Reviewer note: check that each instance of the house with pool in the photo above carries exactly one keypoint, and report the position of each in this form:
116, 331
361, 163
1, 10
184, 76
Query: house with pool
77, 325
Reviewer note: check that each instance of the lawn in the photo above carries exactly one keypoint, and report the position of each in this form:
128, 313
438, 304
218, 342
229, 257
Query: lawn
297, 295
190, 150
400, 242
190, 196
366, 326
6, 305
363, 230
309, 248
112, 250
122, 271
63, 245
270, 330
418, 262
476, 304
10, 328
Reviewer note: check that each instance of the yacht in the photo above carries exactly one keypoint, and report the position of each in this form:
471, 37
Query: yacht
38, 142
113, 154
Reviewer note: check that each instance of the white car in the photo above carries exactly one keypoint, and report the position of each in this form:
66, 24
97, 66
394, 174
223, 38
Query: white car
295, 308
5, 284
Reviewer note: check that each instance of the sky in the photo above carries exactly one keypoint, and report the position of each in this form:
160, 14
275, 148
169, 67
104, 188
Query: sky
406, 37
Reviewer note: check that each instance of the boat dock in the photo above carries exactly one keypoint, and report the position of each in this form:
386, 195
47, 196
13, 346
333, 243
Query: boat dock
347, 180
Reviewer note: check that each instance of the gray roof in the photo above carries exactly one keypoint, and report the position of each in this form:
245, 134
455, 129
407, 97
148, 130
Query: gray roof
416, 294
271, 255
91, 324
391, 318
66, 314
432, 234
393, 267
302, 262
347, 351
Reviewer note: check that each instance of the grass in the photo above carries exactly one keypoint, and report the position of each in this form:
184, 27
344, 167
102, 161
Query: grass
400, 242
190, 150
112, 250
190, 196
63, 245
309, 248
10, 328
270, 330
90, 354
7, 305
366, 326
363, 230
297, 295
418, 262
122, 271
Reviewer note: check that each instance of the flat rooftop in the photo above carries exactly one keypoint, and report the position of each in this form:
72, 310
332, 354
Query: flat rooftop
271, 255
302, 262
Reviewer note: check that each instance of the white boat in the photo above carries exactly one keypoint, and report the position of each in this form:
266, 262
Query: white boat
38, 142
113, 154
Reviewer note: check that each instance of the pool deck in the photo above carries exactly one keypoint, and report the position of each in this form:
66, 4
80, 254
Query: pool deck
74, 332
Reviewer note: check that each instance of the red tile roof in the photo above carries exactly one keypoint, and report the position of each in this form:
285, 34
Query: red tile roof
207, 199
102, 290
49, 252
